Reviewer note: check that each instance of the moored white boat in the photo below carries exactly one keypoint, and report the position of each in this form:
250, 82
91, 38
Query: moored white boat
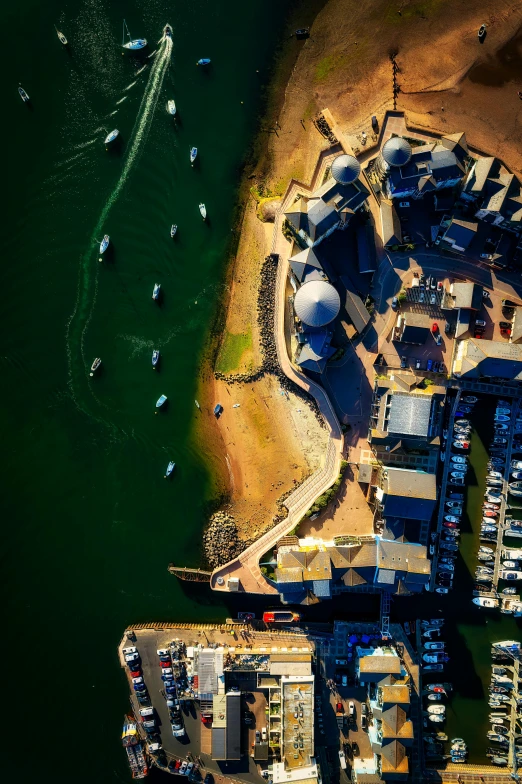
23, 95
104, 244
170, 468
486, 602
112, 136
156, 291
203, 61
133, 45
173, 230
203, 211
61, 36
171, 107
161, 401
193, 154
95, 365
155, 358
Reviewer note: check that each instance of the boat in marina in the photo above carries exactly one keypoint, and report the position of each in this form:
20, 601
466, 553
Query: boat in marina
502, 418
433, 697
461, 444
452, 519
23, 95
171, 107
515, 488
156, 291
104, 244
458, 474
489, 513
136, 756
469, 399
459, 459
133, 45
509, 591
485, 602
432, 667
456, 496
155, 358
454, 504
450, 546
95, 365
281, 616
505, 411
173, 230
112, 136
193, 154
443, 688
203, 61
499, 440
510, 574
434, 646
510, 564
435, 658
203, 211
494, 475
61, 37
161, 401
516, 475
437, 709
170, 468
500, 761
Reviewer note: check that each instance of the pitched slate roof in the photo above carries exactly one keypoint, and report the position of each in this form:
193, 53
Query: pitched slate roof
395, 694
409, 494
306, 266
478, 176
460, 232
351, 578
390, 223
410, 414
354, 306
476, 358
366, 252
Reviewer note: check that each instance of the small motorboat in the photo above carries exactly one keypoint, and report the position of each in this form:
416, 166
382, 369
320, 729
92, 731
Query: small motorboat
459, 459
203, 61
500, 761
23, 95
470, 399
491, 507
486, 602
449, 546
437, 709
112, 136
173, 230
464, 422
505, 411
500, 426
156, 291
155, 358
454, 504
515, 488
452, 519
161, 401
495, 475
193, 154
439, 687
456, 496
506, 574
517, 465
516, 475
435, 718
461, 444
104, 244
501, 418
450, 525
493, 493
61, 37
95, 365
510, 564
434, 646
203, 211
434, 697
167, 31
499, 440
170, 468
509, 591
441, 589
458, 474
171, 107
497, 460
133, 45
481, 32
487, 550
489, 513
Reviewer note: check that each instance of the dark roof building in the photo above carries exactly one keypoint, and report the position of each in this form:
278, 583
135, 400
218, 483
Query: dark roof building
413, 328
390, 224
226, 726
354, 306
306, 266
459, 234
407, 494
476, 358
407, 171
366, 251
496, 192
315, 350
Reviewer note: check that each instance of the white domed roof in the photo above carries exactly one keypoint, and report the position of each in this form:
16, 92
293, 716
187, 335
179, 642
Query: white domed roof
317, 303
345, 169
396, 151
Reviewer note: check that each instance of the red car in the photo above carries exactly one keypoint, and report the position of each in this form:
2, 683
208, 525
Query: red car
135, 673
166, 664
177, 766
339, 707
434, 328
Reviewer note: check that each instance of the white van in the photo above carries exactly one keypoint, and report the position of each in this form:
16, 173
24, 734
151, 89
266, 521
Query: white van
146, 712
263, 733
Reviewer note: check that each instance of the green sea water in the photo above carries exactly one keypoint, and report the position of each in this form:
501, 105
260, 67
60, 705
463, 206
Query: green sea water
89, 523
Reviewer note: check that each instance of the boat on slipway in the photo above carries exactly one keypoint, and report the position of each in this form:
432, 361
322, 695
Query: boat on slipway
133, 45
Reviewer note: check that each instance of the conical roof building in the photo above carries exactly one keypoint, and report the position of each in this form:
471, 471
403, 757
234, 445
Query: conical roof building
317, 303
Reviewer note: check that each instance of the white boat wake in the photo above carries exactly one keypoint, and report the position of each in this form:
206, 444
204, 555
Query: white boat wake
130, 85
122, 99
78, 322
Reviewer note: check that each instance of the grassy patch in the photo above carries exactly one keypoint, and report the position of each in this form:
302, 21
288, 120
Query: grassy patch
420, 9
327, 65
232, 349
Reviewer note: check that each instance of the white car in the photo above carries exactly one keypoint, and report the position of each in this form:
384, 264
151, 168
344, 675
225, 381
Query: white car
480, 323
162, 652
130, 650
433, 299
351, 708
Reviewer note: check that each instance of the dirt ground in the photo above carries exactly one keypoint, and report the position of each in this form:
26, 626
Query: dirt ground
261, 448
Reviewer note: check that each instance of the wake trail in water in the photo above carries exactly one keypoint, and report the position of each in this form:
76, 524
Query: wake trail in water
130, 85
122, 99
88, 271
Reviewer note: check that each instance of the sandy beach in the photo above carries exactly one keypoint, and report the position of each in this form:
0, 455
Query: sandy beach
271, 441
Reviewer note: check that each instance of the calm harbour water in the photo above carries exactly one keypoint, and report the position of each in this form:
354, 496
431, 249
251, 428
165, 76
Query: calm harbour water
90, 523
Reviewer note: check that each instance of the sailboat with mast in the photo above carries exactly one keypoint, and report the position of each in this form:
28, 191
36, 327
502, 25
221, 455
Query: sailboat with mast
134, 44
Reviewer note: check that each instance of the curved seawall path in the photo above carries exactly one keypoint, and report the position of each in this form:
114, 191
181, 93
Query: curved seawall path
89, 523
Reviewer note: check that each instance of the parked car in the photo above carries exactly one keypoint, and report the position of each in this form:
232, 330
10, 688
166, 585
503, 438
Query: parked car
487, 256
404, 362
394, 303
438, 340
339, 707
404, 204
429, 364
364, 723
503, 324
439, 285
480, 323
351, 708
422, 279
433, 299
162, 652
344, 680
263, 733
183, 767
434, 328
417, 364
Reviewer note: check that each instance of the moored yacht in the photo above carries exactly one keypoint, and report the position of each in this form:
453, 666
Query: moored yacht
486, 602
134, 45
112, 136
95, 365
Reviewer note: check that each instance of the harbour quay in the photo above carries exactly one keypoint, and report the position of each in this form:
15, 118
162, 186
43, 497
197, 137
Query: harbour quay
316, 703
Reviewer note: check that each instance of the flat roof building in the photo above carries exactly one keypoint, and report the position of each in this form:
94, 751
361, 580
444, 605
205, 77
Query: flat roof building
226, 726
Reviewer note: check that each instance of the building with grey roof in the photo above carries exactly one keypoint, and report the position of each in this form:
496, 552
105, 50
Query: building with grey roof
459, 234
331, 206
407, 494
412, 328
407, 171
354, 306
496, 192
410, 415
314, 349
226, 726
317, 303
390, 224
489, 359
306, 266
467, 296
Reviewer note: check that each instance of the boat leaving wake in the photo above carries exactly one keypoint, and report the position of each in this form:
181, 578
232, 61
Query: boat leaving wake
78, 322
130, 85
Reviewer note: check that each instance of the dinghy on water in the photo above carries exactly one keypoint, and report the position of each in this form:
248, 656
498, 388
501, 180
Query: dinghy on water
104, 244
156, 291
193, 154
155, 358
134, 45
203, 211
173, 230
170, 468
161, 401
171, 107
95, 365
203, 61
61, 36
23, 95
112, 136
